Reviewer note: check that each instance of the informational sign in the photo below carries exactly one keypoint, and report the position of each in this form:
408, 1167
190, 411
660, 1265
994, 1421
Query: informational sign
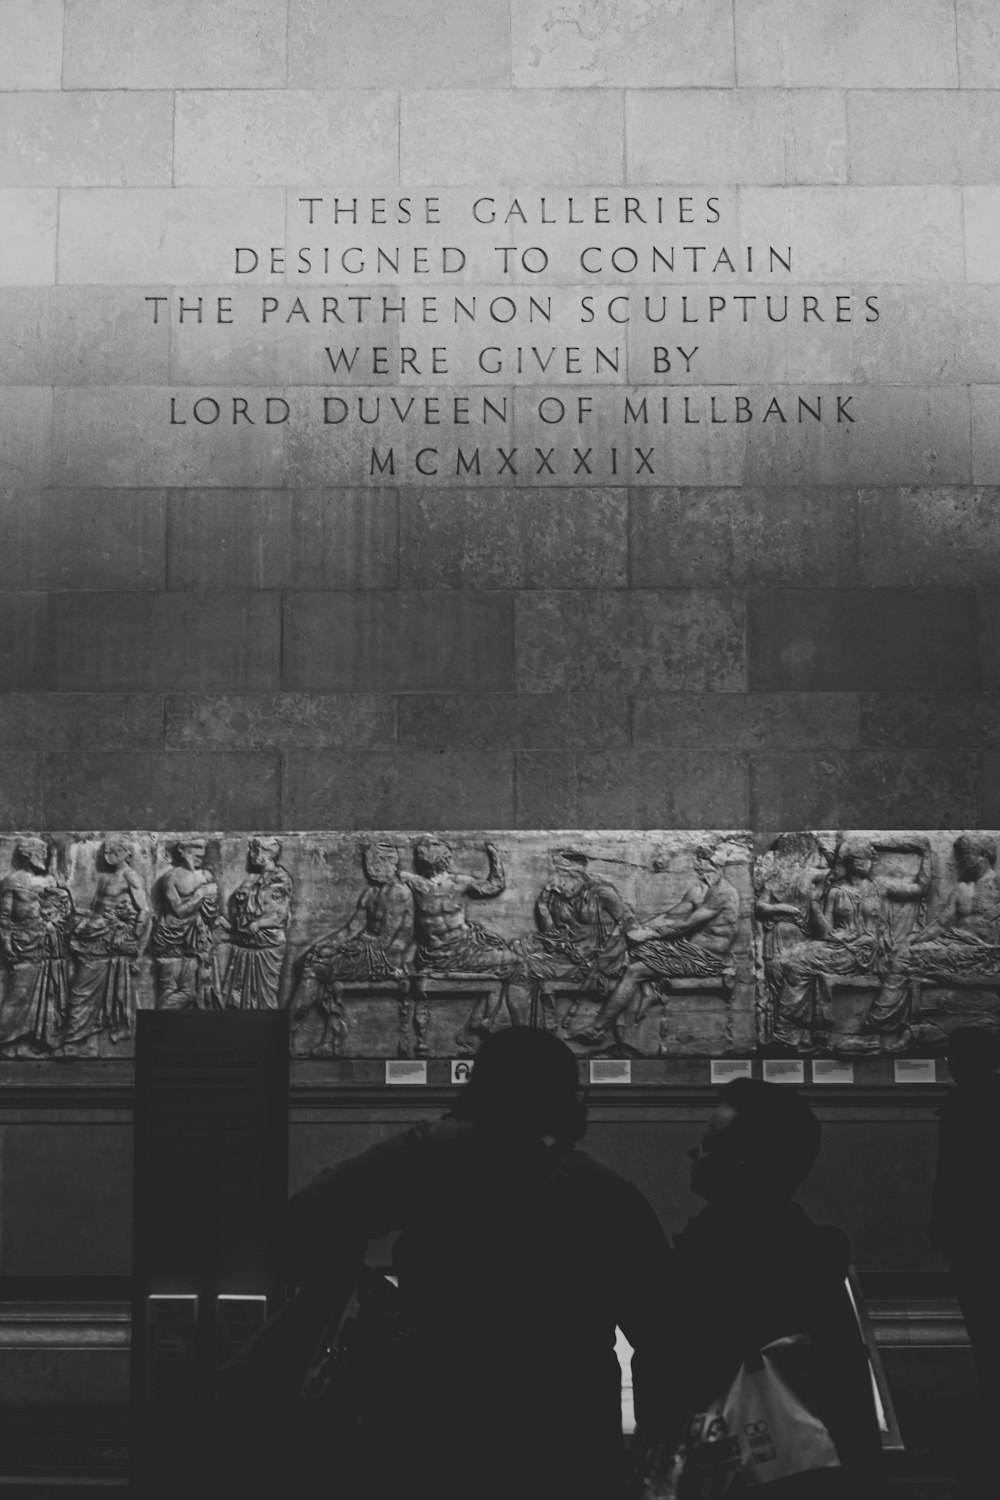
915, 1070
405, 1070
724, 1069
610, 1070
783, 1070
461, 1069
832, 1070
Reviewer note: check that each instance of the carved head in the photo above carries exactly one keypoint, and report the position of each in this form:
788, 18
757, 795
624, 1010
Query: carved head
116, 851
191, 852
431, 856
570, 866
380, 862
34, 852
857, 856
975, 854
263, 851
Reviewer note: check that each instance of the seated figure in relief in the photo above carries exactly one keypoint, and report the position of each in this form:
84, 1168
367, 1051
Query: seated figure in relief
692, 939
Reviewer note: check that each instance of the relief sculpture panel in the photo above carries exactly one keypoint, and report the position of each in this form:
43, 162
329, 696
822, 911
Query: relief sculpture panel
876, 943
637, 944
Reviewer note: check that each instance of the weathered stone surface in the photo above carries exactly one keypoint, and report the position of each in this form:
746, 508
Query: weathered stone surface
927, 135
842, 789
161, 790
930, 334
150, 642
352, 790
965, 721
23, 634
401, 642
32, 50
543, 135
870, 434
982, 224
86, 139
744, 135
25, 436
58, 335
28, 244
862, 44
630, 642
265, 137
738, 722
273, 721
743, 538
21, 788
614, 43
978, 44
862, 640
988, 602
81, 721
123, 438
941, 537
876, 942
909, 234
143, 44
82, 539
283, 539
668, 789
386, 44
514, 721
178, 236
747, 335
505, 538
985, 401
991, 787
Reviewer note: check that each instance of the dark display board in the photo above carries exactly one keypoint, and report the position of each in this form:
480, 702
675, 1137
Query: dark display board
211, 1174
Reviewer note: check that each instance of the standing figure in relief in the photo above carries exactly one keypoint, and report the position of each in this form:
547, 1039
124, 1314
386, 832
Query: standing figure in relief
36, 911
108, 945
259, 913
788, 879
447, 941
691, 940
376, 943
855, 935
188, 918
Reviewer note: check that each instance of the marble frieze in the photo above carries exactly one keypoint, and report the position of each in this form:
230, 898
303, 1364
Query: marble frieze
388, 944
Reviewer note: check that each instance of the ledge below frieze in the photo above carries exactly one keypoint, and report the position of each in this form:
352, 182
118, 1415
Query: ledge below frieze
662, 947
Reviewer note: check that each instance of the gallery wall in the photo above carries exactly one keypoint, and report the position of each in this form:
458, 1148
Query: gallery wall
222, 605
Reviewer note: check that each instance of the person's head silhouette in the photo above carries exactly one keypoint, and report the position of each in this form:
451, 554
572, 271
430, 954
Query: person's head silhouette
760, 1142
525, 1082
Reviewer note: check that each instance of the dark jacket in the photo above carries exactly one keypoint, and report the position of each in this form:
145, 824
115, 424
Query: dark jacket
748, 1276
515, 1263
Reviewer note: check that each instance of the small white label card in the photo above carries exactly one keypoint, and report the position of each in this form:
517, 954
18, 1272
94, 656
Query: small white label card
915, 1070
403, 1070
725, 1068
610, 1070
461, 1069
783, 1070
832, 1070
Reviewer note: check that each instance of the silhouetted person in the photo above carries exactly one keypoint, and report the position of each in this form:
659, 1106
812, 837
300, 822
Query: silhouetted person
518, 1255
752, 1268
965, 1205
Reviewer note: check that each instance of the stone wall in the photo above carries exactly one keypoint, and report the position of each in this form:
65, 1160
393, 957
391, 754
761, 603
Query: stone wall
789, 623
775, 615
